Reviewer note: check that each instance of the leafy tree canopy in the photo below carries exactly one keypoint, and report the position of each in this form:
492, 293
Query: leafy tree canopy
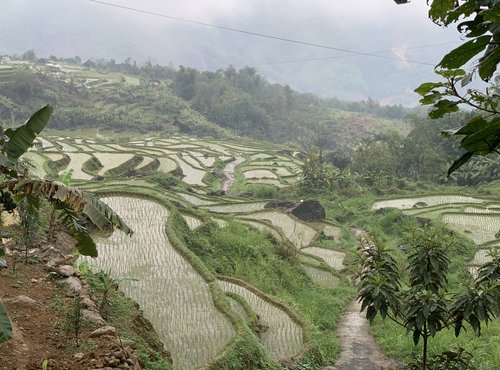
479, 23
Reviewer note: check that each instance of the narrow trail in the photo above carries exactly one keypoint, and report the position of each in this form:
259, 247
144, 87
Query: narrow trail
229, 173
359, 350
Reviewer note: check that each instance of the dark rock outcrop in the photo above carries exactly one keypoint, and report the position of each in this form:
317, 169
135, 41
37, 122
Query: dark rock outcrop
309, 210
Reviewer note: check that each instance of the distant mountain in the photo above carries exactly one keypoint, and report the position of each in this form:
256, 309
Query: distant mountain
90, 30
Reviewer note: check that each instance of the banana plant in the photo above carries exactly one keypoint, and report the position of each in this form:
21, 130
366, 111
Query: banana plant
75, 205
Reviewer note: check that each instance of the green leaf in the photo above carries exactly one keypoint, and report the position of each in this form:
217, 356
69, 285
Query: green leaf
439, 9
473, 126
85, 244
5, 325
22, 138
461, 55
426, 87
483, 140
492, 14
489, 62
442, 107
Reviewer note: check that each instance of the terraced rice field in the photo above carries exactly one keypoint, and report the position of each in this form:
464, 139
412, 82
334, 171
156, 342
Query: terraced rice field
299, 234
434, 200
481, 228
112, 160
259, 174
171, 293
192, 222
196, 201
236, 207
332, 231
334, 259
323, 278
166, 165
36, 162
77, 161
283, 338
192, 176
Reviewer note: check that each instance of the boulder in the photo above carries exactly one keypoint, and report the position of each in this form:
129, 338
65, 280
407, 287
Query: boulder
309, 210
66, 270
419, 205
218, 174
24, 301
93, 317
72, 285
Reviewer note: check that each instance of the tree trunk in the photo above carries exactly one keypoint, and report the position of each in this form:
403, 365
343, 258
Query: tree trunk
424, 354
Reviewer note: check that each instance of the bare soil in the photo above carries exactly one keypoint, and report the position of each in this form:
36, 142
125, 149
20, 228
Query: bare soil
359, 350
38, 332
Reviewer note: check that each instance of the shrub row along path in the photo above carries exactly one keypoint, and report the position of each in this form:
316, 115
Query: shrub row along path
173, 296
229, 173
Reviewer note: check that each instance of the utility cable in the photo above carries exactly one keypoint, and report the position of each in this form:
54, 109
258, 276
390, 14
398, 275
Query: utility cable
256, 34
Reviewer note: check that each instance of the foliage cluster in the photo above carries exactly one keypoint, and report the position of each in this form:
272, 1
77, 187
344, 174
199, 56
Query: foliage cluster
216, 104
416, 295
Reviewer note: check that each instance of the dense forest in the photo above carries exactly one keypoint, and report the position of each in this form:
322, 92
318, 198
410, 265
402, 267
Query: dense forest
348, 138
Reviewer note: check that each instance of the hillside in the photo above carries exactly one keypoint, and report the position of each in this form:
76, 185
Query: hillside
245, 279
152, 98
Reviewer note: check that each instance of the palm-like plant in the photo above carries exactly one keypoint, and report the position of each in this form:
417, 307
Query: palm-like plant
74, 205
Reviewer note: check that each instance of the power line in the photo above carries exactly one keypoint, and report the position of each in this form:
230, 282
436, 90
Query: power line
256, 34
346, 56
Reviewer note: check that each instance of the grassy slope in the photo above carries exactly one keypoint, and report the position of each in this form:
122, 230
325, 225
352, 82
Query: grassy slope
253, 257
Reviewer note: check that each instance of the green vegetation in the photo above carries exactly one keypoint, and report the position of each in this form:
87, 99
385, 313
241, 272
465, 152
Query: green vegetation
74, 322
423, 305
253, 257
480, 135
123, 314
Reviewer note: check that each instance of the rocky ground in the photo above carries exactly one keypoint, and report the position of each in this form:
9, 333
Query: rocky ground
37, 297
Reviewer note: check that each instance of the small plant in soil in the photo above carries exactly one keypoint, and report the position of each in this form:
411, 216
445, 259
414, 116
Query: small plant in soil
74, 322
30, 224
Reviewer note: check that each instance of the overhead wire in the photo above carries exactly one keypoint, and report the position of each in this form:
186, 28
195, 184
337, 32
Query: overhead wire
288, 61
257, 34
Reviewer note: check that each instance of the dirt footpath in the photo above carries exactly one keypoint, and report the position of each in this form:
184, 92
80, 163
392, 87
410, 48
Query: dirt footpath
359, 350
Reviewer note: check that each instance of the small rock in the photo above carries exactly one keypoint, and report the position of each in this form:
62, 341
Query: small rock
105, 330
87, 302
24, 301
66, 270
79, 355
93, 317
127, 343
71, 285
34, 281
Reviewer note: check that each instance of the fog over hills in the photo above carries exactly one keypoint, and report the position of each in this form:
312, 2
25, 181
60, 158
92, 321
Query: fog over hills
67, 28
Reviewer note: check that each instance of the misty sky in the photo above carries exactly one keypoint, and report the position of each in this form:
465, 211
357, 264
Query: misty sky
90, 30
